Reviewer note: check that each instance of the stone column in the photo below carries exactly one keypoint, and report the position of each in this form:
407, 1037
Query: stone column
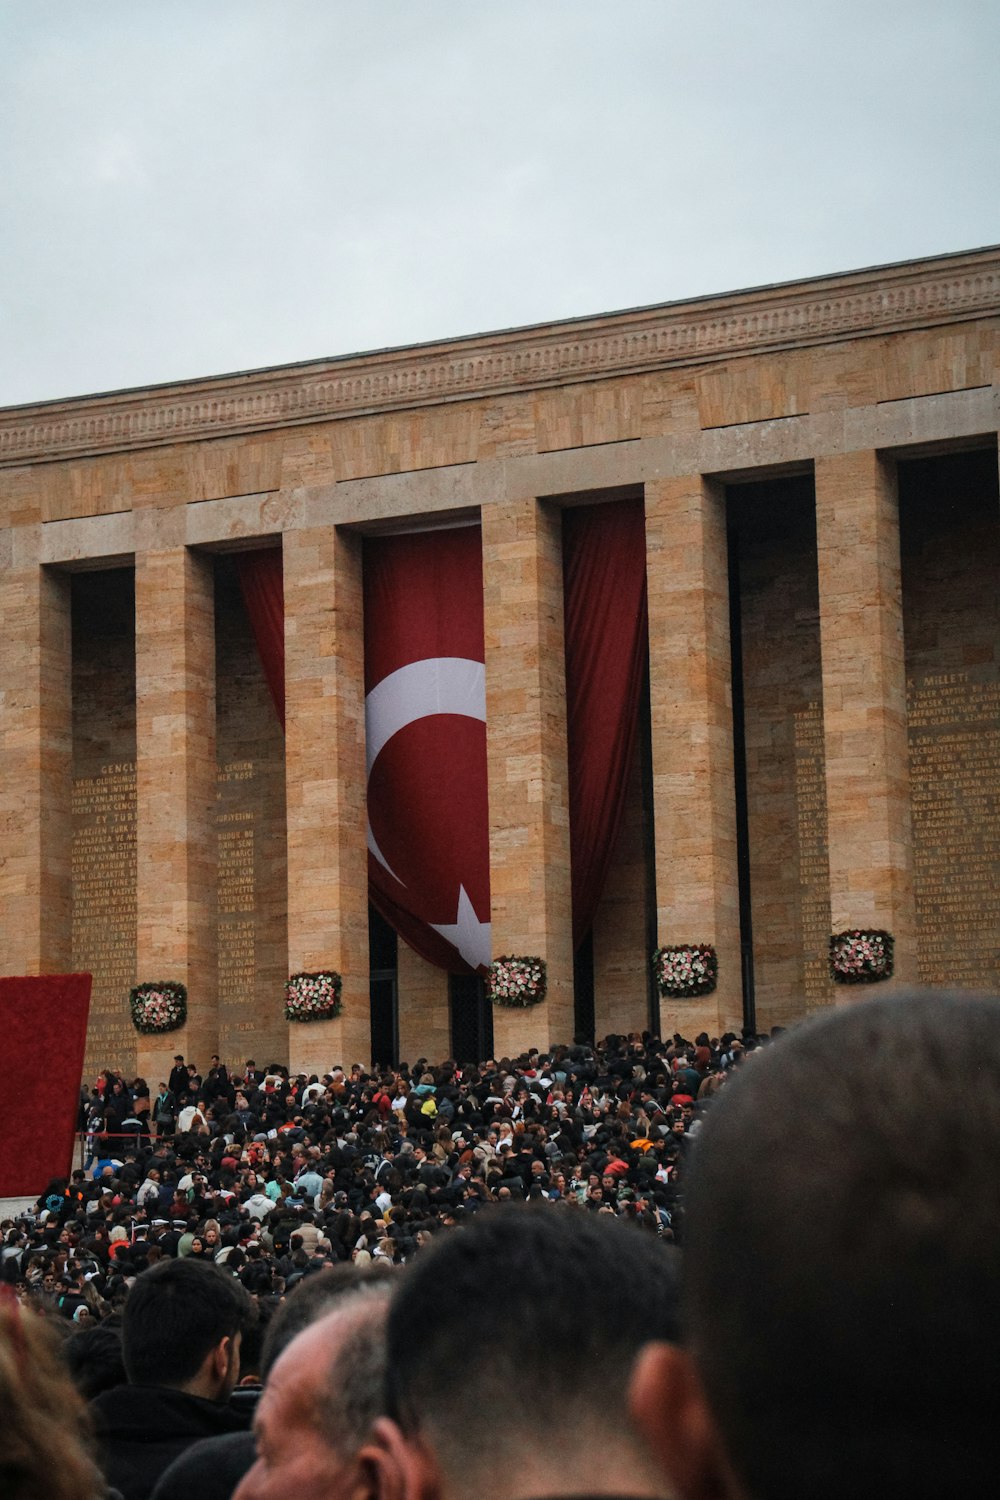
694, 804
621, 963
325, 771
864, 702
35, 772
176, 861
424, 1015
526, 758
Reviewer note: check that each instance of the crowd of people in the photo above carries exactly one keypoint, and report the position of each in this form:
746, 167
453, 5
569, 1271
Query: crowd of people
276, 1176
731, 1267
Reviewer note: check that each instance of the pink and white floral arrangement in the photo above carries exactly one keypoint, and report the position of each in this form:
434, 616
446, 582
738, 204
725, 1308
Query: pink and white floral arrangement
313, 997
158, 1005
517, 982
685, 970
861, 957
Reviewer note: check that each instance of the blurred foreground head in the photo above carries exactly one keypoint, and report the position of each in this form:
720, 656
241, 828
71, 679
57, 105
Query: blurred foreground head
842, 1265
44, 1433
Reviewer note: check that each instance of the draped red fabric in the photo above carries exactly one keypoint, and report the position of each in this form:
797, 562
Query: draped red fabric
426, 734
43, 1022
427, 791
604, 593
263, 592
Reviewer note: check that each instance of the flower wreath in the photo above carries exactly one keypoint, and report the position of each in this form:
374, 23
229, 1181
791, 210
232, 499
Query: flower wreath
313, 997
684, 970
860, 956
158, 1005
517, 982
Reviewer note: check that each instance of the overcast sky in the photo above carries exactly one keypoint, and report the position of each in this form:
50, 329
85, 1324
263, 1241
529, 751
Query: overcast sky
196, 186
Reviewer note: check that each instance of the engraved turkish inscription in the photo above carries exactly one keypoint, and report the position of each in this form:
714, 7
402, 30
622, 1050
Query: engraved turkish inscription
237, 890
814, 879
954, 743
104, 906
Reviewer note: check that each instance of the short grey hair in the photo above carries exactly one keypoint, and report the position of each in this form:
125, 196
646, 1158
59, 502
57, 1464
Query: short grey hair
354, 1392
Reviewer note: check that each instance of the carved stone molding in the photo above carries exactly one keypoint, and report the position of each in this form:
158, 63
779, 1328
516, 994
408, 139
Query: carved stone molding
915, 294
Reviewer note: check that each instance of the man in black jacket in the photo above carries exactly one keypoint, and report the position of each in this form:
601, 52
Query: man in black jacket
177, 1083
181, 1334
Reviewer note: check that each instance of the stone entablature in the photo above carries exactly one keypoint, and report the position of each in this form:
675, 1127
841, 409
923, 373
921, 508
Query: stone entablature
861, 304
835, 385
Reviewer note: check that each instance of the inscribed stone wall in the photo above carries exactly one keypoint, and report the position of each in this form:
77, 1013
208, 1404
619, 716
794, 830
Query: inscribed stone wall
621, 959
950, 544
775, 539
253, 941
104, 810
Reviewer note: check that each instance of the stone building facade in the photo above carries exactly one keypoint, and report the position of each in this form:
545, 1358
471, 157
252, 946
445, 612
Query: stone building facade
820, 744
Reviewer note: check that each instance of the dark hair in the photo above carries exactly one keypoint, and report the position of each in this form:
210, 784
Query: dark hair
175, 1314
94, 1359
562, 1300
312, 1298
842, 1254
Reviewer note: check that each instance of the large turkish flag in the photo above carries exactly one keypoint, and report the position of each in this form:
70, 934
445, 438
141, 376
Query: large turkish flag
425, 716
426, 709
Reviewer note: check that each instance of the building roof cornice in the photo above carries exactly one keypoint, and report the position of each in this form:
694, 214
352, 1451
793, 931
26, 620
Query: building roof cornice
857, 304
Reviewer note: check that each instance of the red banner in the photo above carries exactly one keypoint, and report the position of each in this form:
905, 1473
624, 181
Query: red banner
604, 588
425, 713
43, 1022
263, 587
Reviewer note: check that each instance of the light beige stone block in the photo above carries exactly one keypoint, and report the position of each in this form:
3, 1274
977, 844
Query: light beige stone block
531, 893
325, 782
424, 1018
35, 771
175, 796
691, 722
864, 700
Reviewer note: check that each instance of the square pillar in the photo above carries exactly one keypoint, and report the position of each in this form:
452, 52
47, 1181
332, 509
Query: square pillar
325, 771
690, 667
424, 1013
621, 963
175, 797
530, 887
864, 703
36, 731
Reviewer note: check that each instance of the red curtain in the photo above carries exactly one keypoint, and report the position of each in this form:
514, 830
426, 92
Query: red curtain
43, 1022
425, 720
604, 592
263, 591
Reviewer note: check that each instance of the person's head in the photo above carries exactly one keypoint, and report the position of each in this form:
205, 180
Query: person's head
842, 1265
93, 1356
322, 1394
556, 1306
182, 1326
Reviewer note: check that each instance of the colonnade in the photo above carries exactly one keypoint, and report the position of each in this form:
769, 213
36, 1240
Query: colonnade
864, 703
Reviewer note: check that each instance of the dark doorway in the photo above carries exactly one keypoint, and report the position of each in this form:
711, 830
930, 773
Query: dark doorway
385, 1019
471, 1018
740, 774
584, 1020
383, 992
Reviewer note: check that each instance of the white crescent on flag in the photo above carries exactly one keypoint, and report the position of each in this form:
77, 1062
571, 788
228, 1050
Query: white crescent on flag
436, 685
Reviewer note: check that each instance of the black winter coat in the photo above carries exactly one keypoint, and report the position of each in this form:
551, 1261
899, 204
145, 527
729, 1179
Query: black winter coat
141, 1429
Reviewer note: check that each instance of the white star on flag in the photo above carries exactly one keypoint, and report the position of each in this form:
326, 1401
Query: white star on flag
471, 937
